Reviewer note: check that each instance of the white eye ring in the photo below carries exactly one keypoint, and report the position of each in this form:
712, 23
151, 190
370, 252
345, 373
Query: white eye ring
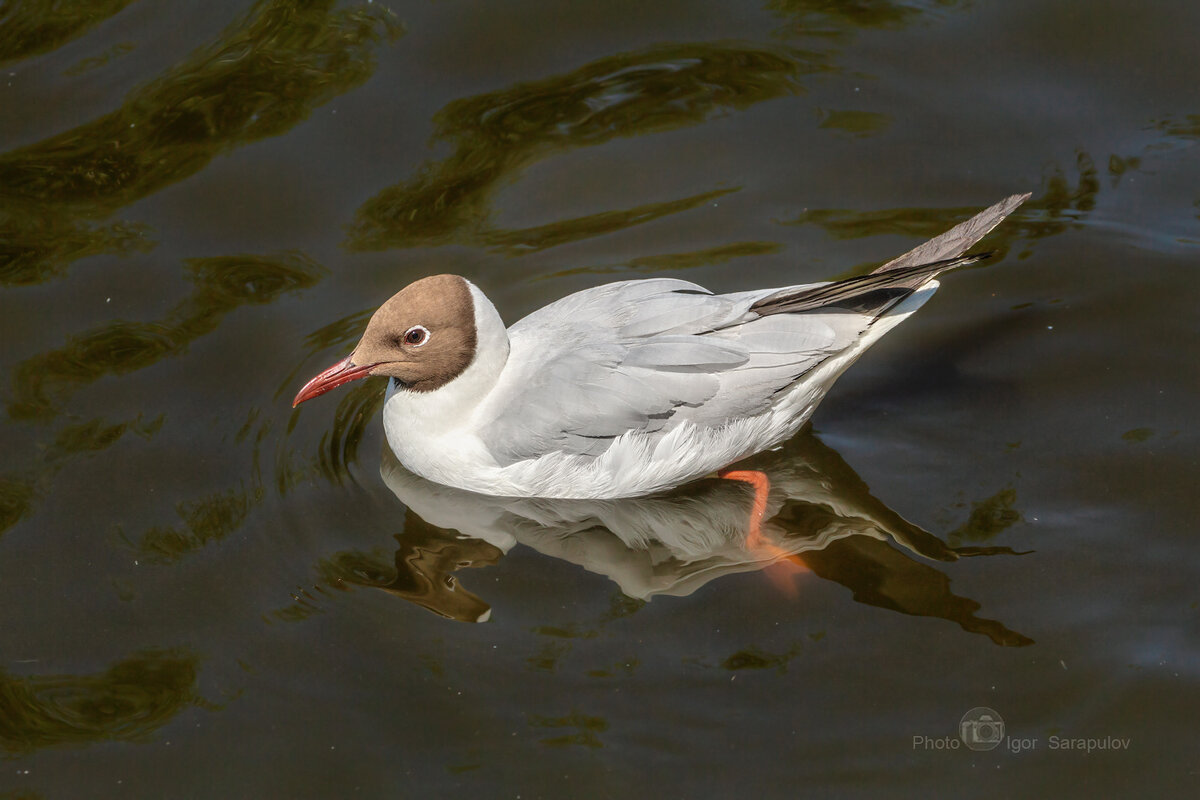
416, 336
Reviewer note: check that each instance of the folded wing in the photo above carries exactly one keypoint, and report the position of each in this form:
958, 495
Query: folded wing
644, 356
647, 355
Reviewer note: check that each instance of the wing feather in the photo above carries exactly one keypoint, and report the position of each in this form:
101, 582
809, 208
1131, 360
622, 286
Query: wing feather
646, 355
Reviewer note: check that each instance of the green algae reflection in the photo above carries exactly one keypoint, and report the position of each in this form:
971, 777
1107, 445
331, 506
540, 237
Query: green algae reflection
43, 382
1060, 207
499, 134
19, 491
207, 520
30, 28
837, 18
127, 702
264, 76
16, 499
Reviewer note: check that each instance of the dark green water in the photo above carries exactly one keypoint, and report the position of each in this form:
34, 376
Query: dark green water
204, 593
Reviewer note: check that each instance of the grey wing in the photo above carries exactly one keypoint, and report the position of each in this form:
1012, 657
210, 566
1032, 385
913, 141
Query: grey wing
644, 356
648, 355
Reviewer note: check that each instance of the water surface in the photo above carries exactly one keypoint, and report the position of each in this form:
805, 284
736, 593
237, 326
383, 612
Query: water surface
208, 594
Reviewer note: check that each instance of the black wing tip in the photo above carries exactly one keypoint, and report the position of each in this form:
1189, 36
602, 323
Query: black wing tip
871, 293
948, 263
975, 258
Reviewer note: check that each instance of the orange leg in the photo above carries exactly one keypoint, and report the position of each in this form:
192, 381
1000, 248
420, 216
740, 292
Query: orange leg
762, 488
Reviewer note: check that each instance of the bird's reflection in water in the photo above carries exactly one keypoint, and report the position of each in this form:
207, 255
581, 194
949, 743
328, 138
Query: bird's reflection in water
820, 517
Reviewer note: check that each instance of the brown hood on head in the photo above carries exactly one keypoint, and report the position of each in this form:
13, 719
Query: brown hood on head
442, 305
424, 336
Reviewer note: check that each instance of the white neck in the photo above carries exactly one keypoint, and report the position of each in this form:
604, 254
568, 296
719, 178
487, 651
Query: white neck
414, 416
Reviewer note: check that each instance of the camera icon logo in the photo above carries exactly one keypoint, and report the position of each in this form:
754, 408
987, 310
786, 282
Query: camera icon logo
981, 728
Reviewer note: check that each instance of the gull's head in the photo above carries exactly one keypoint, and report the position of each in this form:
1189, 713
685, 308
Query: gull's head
424, 336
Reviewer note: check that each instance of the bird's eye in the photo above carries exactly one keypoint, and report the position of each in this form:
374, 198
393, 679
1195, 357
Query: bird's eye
416, 336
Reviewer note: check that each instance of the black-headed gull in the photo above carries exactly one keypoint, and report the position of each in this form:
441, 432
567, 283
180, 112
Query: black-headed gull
628, 388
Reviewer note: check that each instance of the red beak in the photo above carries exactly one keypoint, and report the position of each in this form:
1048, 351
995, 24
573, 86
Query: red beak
341, 372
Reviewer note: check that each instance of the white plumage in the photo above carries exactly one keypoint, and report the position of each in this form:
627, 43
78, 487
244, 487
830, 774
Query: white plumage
632, 387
